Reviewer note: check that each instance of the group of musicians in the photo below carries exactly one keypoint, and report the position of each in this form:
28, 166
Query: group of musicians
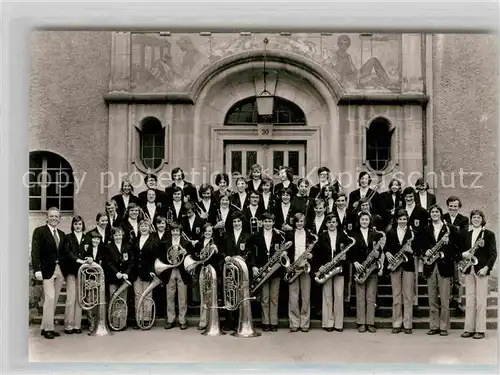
258, 217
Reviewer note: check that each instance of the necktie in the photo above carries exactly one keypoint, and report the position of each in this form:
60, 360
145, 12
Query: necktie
56, 238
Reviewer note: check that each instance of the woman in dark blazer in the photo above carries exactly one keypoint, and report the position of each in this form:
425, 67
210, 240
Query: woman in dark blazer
286, 176
476, 277
72, 257
390, 202
125, 197
440, 272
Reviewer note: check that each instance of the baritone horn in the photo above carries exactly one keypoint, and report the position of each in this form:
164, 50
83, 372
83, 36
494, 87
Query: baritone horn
208, 288
118, 309
92, 293
146, 307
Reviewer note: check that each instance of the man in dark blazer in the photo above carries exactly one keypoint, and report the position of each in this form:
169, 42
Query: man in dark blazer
324, 179
151, 181
461, 224
46, 245
423, 198
188, 189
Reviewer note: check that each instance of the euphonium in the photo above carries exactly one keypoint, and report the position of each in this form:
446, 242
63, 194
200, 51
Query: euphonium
205, 254
435, 251
330, 269
91, 293
279, 258
175, 257
464, 264
208, 289
400, 257
118, 309
300, 264
371, 262
237, 294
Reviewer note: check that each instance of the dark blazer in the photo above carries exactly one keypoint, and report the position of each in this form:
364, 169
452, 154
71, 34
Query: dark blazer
236, 200
323, 253
270, 205
279, 220
361, 250
104, 241
451, 251
144, 259
44, 252
279, 186
342, 223
387, 204
431, 200
121, 204
142, 199
311, 225
352, 221
301, 204
309, 240
315, 190
487, 254
461, 223
212, 210
216, 195
88, 252
129, 235
160, 211
247, 216
418, 221
260, 254
161, 254
116, 223
355, 196
194, 233
71, 252
176, 216
393, 246
115, 261
188, 191
241, 247
251, 186
215, 260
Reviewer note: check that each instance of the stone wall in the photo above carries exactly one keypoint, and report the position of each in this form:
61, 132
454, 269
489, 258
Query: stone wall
465, 100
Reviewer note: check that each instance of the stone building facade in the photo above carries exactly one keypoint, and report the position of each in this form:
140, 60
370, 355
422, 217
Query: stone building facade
109, 104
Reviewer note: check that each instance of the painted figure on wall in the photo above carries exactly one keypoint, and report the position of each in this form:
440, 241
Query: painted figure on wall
364, 77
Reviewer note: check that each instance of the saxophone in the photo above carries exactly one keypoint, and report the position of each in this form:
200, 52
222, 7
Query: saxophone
371, 263
400, 256
436, 249
300, 264
279, 258
464, 264
330, 269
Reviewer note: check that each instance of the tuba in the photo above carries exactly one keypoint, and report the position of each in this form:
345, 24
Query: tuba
118, 309
436, 249
208, 289
237, 294
300, 264
464, 264
371, 262
279, 258
146, 304
92, 293
330, 269
400, 256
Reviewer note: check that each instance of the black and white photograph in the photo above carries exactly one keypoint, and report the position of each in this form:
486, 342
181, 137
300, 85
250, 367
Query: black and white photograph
262, 197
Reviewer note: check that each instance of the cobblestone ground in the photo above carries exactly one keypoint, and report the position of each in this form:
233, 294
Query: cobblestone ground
316, 346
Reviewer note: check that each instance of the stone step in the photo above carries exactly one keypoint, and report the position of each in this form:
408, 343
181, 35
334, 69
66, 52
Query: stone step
349, 322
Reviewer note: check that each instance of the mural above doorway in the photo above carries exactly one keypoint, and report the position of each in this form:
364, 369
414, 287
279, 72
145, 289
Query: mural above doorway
359, 62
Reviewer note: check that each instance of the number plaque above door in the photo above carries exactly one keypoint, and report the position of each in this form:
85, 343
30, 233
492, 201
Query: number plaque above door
265, 131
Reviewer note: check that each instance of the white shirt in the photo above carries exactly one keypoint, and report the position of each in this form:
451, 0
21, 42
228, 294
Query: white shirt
284, 209
102, 232
333, 240
364, 232
401, 234
437, 229
341, 214
410, 209
423, 199
191, 221
207, 204
112, 219
160, 235
268, 235
223, 213
475, 235
300, 242
253, 210
393, 196
134, 225
126, 200
151, 207
452, 219
79, 236
176, 241
318, 220
119, 246
142, 241
256, 184
265, 199
94, 252
243, 197
180, 184
363, 192
286, 183
237, 235
330, 205
177, 207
